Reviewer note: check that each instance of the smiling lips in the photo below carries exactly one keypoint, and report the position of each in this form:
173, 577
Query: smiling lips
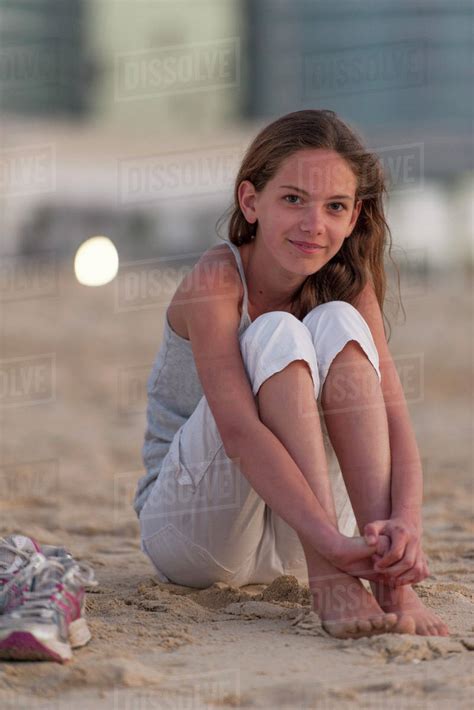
306, 247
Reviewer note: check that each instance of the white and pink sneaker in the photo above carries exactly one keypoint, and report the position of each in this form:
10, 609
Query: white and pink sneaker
18, 554
43, 603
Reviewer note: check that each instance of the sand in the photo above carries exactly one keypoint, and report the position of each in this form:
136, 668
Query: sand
68, 471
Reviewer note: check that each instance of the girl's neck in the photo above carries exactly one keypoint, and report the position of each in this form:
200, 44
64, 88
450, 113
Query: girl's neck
267, 290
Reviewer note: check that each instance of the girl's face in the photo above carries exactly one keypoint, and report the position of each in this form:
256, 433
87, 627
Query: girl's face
310, 199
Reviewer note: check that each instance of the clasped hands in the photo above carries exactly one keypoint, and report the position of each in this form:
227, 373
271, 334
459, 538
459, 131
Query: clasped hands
389, 552
398, 558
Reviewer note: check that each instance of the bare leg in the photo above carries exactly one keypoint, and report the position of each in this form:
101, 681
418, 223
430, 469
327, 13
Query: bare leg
356, 421
287, 406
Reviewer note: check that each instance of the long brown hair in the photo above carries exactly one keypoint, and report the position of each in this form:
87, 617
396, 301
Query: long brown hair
362, 255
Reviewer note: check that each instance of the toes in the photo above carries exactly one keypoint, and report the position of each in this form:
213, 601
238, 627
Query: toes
358, 628
405, 625
364, 626
340, 630
440, 627
423, 630
378, 622
390, 621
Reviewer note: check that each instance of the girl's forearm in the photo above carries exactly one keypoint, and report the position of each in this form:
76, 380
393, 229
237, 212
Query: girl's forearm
406, 468
274, 475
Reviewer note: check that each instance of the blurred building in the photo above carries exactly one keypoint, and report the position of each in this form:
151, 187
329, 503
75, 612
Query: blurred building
107, 61
142, 51
45, 69
400, 71
129, 117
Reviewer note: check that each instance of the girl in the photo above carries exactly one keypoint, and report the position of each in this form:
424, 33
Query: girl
274, 359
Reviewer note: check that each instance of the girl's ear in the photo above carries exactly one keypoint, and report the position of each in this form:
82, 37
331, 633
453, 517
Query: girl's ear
247, 200
355, 214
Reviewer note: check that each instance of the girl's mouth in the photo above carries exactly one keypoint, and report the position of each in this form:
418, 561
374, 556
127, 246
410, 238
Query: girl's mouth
306, 248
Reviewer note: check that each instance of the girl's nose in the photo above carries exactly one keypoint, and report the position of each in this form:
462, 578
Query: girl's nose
313, 220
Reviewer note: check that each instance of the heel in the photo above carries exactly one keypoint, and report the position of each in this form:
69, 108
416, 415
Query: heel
79, 633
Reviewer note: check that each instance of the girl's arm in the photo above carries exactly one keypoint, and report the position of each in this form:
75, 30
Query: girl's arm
404, 562
407, 472
406, 469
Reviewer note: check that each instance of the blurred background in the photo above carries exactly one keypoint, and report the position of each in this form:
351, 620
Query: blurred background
123, 123
127, 119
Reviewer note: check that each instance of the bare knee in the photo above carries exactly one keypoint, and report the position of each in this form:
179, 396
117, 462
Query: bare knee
351, 370
290, 374
292, 385
298, 366
351, 354
352, 348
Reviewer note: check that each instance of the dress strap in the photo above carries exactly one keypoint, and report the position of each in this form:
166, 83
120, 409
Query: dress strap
240, 266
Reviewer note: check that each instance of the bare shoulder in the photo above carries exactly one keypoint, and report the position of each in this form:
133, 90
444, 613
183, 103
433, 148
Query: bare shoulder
214, 276
212, 319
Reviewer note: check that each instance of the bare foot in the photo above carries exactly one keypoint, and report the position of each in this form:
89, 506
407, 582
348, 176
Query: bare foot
410, 610
348, 610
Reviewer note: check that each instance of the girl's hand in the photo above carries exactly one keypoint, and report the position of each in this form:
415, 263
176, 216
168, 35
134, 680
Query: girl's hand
356, 558
404, 562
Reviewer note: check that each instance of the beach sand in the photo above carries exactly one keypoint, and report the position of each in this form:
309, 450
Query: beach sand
69, 464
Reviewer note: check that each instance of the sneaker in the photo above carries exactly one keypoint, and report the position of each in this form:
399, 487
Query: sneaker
16, 553
49, 621
17, 560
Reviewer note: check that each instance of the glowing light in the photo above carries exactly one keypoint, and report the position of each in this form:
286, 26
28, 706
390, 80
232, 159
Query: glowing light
96, 262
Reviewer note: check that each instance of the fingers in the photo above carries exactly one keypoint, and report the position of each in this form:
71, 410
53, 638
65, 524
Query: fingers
373, 530
383, 545
359, 549
411, 555
417, 573
396, 552
413, 576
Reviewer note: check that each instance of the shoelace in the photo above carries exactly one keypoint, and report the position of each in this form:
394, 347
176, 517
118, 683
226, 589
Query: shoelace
23, 576
4, 564
37, 602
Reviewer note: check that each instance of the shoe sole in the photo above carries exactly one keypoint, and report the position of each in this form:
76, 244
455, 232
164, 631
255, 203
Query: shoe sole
25, 646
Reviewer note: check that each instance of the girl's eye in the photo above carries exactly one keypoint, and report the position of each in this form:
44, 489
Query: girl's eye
340, 205
296, 196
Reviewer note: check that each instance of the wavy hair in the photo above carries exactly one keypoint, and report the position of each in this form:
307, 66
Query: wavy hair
361, 256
